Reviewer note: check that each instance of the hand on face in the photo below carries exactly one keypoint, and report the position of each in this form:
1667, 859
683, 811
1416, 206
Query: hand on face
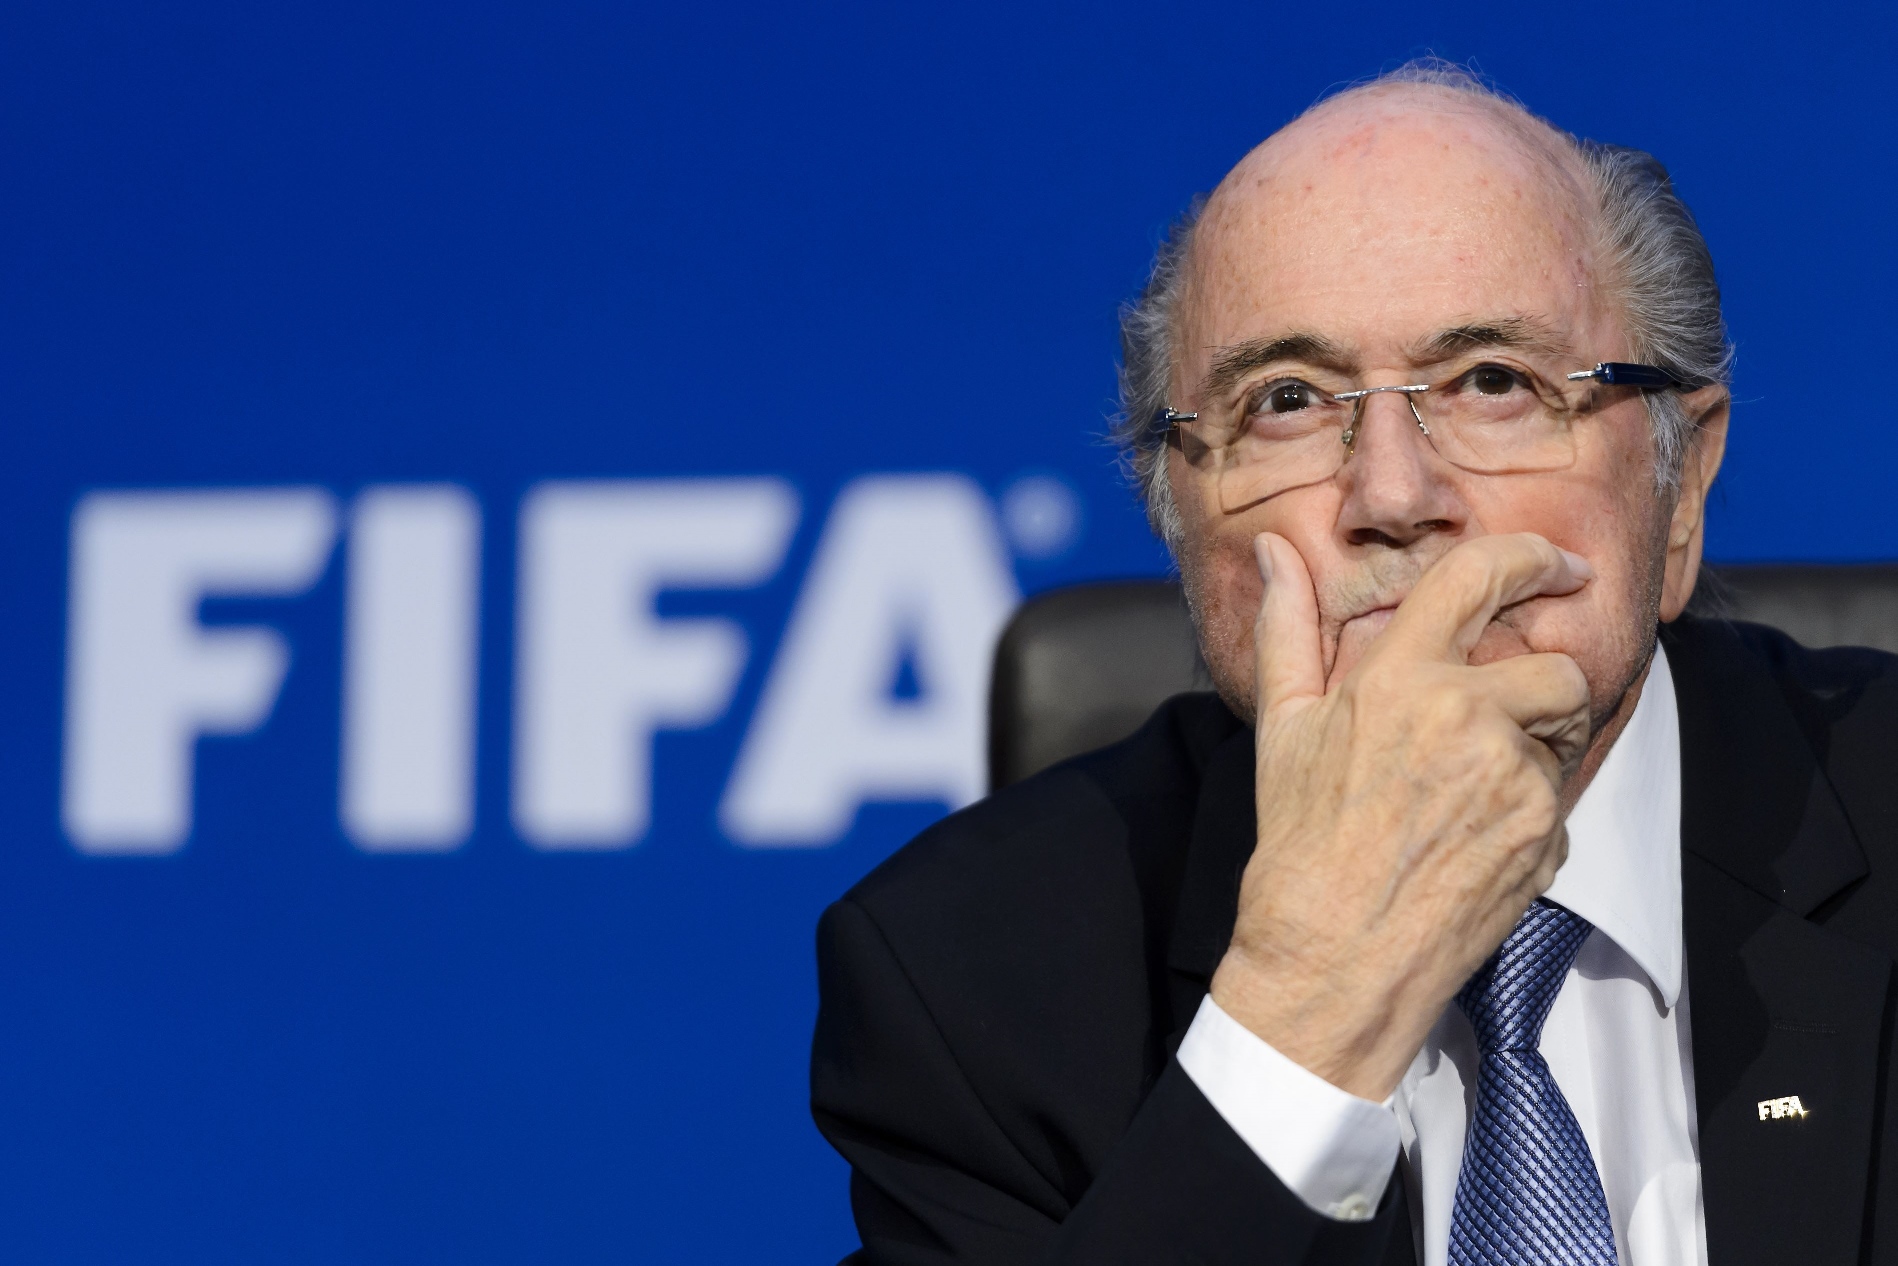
1406, 816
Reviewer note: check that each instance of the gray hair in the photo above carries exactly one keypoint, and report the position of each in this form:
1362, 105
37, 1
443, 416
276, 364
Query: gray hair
1658, 262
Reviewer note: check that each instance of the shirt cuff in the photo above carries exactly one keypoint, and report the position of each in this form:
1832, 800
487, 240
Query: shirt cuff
1334, 1150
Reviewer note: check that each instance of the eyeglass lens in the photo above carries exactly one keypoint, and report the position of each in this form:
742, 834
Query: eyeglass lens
1488, 420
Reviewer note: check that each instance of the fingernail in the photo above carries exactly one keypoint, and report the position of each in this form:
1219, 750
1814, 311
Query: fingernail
1263, 553
1577, 565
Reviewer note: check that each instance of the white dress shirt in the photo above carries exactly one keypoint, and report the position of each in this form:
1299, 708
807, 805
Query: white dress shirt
1616, 1040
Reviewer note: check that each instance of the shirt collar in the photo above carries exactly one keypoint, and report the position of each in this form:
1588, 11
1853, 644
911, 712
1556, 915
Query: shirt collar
1623, 872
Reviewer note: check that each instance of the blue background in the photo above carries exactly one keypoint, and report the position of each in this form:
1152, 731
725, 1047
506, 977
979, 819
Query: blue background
344, 243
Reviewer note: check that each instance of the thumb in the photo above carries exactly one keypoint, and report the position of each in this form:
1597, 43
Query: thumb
1289, 659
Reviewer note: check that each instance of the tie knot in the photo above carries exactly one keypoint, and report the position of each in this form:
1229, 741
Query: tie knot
1509, 996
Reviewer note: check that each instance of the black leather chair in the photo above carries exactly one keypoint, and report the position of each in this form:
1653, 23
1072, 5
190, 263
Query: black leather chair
1081, 667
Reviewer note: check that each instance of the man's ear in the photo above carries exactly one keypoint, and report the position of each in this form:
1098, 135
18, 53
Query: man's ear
1708, 408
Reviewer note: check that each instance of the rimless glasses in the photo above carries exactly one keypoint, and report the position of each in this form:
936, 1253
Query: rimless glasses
1487, 417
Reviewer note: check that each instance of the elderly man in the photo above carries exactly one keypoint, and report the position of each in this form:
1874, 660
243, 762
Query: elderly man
1492, 911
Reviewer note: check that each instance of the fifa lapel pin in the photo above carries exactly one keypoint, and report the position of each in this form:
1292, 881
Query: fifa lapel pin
1774, 1109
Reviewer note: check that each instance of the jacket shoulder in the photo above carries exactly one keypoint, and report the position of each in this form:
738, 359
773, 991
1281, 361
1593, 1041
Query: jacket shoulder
1030, 930
1824, 672
1835, 693
1843, 701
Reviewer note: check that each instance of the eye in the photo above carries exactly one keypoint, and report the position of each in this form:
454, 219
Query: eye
1288, 396
1492, 380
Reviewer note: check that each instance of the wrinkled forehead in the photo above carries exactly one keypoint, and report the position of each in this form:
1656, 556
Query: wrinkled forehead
1384, 214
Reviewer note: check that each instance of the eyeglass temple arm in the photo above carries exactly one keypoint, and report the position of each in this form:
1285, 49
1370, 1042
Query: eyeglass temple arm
1615, 373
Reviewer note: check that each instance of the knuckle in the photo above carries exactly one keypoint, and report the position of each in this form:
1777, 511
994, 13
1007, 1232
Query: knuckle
1540, 799
1574, 681
1445, 710
1538, 812
1494, 747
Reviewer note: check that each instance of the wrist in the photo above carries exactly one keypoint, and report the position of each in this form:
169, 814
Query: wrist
1353, 1035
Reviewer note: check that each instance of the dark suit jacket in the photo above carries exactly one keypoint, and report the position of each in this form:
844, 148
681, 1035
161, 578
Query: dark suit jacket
1001, 999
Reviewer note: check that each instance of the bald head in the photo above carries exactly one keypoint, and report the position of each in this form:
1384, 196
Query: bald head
1438, 189
1425, 123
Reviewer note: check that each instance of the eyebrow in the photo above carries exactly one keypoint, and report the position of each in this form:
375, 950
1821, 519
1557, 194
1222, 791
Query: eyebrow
1526, 333
1230, 364
1520, 333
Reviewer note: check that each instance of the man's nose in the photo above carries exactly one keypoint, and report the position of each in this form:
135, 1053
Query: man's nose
1397, 490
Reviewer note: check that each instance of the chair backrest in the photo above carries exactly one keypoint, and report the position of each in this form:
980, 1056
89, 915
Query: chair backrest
1082, 667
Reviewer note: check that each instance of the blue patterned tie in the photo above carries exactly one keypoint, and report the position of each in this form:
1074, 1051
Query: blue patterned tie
1528, 1191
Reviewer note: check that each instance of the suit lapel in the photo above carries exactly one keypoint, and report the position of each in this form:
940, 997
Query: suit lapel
1780, 1009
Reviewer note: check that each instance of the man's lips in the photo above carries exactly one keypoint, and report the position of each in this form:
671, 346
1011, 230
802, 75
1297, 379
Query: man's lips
1369, 623
1355, 636
1362, 628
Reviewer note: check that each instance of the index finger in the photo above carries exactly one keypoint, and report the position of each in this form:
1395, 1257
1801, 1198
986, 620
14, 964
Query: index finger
1462, 592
